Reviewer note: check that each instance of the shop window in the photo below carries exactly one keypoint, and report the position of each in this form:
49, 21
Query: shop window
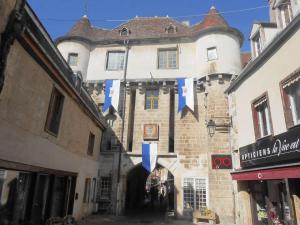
115, 60
195, 193
105, 190
212, 54
261, 117
54, 112
168, 58
73, 59
91, 144
291, 100
285, 13
151, 99
87, 190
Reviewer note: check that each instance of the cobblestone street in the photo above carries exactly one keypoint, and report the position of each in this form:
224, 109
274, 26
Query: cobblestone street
128, 220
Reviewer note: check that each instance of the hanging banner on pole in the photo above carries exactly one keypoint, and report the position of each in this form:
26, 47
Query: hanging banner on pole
149, 156
112, 94
185, 93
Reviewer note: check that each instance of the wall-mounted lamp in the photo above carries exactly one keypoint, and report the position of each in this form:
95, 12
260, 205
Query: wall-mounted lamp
211, 127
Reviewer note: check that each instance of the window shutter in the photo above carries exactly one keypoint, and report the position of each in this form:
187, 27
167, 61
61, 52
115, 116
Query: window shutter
287, 109
255, 122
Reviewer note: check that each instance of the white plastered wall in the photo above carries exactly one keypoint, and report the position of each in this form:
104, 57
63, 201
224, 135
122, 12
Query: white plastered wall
266, 79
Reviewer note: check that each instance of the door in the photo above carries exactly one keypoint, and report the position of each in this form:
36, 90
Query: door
258, 203
40, 199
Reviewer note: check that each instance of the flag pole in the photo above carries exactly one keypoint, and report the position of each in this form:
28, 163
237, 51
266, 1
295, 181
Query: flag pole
118, 211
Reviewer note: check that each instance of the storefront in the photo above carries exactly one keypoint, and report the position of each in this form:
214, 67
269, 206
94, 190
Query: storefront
31, 195
270, 174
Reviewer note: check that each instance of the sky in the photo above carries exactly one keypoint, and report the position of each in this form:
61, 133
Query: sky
58, 16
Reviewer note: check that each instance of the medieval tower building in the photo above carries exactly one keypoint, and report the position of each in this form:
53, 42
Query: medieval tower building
148, 55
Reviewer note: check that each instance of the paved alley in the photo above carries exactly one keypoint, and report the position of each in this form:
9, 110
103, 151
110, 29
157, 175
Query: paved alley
126, 220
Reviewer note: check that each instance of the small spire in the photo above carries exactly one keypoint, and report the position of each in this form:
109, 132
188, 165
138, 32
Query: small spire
212, 7
85, 16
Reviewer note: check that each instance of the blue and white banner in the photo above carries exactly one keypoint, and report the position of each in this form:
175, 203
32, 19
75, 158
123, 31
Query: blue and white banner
149, 156
185, 93
112, 93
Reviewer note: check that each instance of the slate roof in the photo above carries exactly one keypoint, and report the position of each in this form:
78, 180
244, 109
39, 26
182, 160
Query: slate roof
142, 28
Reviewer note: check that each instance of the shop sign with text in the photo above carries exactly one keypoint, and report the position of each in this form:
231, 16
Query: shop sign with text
272, 150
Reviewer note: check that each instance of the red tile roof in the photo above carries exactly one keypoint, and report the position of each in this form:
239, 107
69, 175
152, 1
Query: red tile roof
149, 28
212, 19
245, 58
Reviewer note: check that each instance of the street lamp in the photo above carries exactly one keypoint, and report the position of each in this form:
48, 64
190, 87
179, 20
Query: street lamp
211, 127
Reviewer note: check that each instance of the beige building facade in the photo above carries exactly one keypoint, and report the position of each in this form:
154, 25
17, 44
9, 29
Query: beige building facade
152, 53
264, 103
50, 130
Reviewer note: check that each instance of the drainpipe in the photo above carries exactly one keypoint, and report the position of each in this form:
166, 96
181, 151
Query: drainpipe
118, 211
14, 27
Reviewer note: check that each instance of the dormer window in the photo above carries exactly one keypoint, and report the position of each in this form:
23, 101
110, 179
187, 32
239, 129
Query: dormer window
171, 29
257, 45
285, 13
124, 31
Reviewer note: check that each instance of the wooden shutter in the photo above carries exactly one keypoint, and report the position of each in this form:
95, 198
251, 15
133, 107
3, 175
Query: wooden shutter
287, 108
255, 122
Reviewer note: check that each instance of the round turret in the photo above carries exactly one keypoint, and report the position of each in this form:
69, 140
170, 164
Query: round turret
217, 46
75, 50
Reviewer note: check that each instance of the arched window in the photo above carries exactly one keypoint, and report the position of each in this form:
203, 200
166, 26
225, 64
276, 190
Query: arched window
171, 29
124, 31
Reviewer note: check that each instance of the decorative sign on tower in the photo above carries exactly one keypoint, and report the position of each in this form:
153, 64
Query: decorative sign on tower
151, 132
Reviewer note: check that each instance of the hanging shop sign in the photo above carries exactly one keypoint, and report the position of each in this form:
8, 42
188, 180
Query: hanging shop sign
151, 132
272, 150
221, 161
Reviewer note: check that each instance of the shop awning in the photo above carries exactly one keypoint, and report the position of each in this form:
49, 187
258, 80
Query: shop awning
267, 174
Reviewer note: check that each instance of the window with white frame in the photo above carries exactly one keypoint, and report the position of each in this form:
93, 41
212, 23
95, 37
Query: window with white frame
73, 59
261, 117
194, 193
115, 60
212, 54
168, 58
291, 100
105, 191
285, 13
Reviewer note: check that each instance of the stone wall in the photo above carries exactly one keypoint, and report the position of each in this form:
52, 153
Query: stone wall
193, 145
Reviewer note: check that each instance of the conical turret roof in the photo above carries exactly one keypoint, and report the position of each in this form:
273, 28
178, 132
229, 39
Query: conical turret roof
212, 19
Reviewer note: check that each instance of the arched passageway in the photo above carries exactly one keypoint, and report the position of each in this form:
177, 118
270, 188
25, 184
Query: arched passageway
149, 192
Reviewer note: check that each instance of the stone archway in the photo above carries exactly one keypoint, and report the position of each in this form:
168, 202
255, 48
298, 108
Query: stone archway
149, 192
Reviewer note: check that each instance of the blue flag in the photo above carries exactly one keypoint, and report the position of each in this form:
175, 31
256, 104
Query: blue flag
185, 93
149, 156
112, 93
